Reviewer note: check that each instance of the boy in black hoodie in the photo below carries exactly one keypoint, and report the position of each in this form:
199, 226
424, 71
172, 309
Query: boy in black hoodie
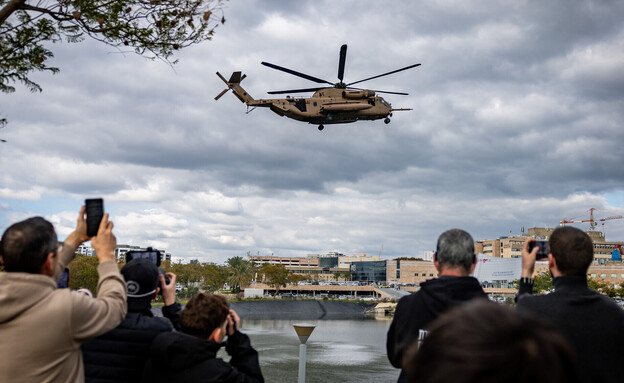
455, 260
191, 356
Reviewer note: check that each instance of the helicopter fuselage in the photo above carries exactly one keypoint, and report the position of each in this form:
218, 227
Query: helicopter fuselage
341, 103
329, 106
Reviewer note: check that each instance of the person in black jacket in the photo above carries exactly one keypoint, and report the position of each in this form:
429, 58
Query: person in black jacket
191, 356
454, 259
591, 322
120, 355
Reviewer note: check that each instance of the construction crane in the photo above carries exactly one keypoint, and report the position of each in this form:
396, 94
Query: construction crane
593, 222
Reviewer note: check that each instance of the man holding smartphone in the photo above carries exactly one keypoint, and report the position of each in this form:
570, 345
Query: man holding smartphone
42, 327
591, 322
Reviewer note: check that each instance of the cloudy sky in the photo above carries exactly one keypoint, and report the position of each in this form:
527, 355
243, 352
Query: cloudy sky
517, 121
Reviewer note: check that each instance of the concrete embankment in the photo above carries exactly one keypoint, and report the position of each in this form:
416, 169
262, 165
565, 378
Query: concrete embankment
313, 309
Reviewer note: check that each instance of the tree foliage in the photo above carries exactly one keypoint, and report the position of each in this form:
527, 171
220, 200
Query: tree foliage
83, 273
542, 283
187, 274
240, 272
606, 288
151, 28
276, 276
214, 276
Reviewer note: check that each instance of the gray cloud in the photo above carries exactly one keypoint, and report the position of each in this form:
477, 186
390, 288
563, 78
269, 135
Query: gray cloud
516, 121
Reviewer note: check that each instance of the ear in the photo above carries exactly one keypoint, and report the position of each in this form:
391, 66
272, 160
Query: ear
216, 335
472, 267
156, 293
47, 268
552, 265
436, 264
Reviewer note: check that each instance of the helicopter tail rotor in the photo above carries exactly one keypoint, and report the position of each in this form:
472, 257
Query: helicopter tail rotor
233, 83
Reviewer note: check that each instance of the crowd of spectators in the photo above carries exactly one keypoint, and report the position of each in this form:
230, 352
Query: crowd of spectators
447, 331
51, 334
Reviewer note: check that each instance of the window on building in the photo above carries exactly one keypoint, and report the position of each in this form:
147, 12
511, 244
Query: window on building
613, 276
430, 274
424, 274
593, 275
603, 275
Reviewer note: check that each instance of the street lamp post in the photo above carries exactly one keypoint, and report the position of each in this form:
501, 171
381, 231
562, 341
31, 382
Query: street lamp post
303, 331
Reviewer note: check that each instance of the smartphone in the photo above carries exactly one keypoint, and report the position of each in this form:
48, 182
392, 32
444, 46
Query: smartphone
150, 254
95, 212
543, 250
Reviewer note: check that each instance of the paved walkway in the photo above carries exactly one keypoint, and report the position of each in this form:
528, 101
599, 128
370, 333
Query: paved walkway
393, 293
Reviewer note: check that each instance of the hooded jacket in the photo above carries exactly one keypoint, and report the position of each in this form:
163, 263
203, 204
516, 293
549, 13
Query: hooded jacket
42, 327
415, 311
178, 357
591, 322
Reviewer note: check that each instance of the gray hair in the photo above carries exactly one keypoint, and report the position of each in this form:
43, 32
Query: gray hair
455, 249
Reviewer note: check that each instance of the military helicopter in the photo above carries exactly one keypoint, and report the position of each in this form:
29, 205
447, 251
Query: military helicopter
338, 104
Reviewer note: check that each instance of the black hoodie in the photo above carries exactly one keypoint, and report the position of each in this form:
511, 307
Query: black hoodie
590, 321
415, 311
178, 357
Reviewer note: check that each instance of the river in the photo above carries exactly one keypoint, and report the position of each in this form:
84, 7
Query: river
350, 350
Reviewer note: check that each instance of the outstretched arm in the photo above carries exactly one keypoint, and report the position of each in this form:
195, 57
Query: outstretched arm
93, 317
71, 243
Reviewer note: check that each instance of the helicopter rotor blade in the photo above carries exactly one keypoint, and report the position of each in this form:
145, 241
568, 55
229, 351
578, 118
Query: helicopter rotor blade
295, 73
341, 63
222, 93
294, 91
221, 77
385, 74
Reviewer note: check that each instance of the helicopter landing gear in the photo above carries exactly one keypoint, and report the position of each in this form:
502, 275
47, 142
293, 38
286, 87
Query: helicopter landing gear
387, 120
321, 127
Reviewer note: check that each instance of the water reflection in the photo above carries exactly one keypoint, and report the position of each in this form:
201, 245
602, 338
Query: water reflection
338, 350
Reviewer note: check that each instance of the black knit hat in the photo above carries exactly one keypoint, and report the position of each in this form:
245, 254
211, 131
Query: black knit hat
141, 277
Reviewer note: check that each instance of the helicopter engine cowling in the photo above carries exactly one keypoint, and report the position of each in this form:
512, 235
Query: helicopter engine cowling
357, 94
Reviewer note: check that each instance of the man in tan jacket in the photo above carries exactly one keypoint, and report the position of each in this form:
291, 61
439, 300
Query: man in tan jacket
42, 327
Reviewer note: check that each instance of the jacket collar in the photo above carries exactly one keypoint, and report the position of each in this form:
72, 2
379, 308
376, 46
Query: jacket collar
570, 283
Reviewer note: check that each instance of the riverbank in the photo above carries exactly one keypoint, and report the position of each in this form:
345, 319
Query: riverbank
298, 309
312, 309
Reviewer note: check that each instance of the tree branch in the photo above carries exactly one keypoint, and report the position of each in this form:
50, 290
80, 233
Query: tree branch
12, 6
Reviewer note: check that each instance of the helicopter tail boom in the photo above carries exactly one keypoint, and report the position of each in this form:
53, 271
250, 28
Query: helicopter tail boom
234, 84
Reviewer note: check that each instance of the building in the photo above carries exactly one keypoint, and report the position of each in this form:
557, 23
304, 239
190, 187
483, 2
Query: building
85, 250
120, 252
317, 267
511, 247
369, 271
401, 271
345, 261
